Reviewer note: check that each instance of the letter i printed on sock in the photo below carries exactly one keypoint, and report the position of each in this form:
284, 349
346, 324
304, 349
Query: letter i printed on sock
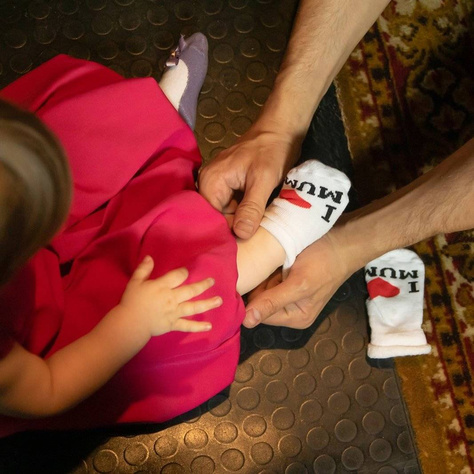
395, 282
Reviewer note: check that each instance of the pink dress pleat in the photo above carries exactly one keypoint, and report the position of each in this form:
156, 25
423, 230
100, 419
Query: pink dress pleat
133, 162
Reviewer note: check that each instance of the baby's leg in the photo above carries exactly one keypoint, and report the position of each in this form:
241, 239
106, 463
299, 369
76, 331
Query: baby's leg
184, 75
312, 198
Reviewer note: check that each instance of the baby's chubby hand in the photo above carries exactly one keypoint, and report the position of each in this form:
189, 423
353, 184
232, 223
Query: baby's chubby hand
163, 303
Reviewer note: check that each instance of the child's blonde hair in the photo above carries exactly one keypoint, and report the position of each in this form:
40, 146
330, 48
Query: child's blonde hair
35, 187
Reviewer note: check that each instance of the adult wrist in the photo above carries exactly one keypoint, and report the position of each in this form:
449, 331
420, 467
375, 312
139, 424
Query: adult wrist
293, 102
281, 120
357, 241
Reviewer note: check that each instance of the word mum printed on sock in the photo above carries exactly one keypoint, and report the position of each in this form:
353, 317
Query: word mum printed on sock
393, 273
310, 189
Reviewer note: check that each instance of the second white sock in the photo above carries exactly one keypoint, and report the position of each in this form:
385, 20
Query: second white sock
395, 282
312, 198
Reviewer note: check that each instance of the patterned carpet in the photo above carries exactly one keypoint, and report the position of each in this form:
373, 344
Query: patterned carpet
407, 95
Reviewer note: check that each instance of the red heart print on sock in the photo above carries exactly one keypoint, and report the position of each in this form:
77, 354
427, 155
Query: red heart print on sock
292, 196
380, 287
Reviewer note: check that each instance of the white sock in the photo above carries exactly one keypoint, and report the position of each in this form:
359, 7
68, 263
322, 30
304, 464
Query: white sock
312, 198
395, 282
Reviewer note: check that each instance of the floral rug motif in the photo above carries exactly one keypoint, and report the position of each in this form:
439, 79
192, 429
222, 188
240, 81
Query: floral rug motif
407, 97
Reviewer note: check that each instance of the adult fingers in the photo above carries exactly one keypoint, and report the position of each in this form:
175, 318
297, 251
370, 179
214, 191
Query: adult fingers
250, 211
287, 304
295, 315
214, 188
268, 303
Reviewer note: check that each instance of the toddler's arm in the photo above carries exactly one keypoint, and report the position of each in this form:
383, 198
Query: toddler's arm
34, 387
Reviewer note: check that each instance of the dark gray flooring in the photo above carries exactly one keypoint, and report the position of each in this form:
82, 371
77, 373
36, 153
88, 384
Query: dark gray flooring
302, 401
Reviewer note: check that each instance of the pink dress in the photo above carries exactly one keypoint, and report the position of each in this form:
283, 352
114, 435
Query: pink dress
133, 162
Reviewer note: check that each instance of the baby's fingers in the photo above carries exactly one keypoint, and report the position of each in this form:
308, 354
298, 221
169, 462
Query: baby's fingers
143, 271
186, 325
188, 292
174, 278
189, 308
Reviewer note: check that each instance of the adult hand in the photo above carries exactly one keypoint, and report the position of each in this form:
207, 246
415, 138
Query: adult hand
316, 275
255, 165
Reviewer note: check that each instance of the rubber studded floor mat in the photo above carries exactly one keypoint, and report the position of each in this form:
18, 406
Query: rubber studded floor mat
302, 401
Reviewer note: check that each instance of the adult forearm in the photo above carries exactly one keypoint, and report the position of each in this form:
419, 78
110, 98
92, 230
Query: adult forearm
440, 201
324, 34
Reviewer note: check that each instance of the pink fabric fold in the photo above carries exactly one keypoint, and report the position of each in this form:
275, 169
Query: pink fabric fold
133, 162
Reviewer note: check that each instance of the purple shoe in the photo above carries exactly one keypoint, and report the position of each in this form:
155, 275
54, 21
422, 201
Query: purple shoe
184, 75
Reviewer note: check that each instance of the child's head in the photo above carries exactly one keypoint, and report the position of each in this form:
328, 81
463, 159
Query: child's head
35, 187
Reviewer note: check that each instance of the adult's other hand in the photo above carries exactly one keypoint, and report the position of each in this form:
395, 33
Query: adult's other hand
296, 302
